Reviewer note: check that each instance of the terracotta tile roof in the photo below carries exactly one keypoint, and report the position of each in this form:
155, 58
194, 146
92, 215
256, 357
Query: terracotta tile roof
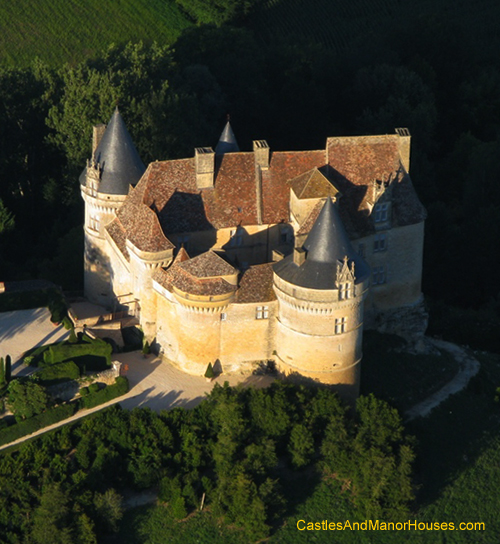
356, 163
182, 255
119, 237
313, 184
167, 195
197, 276
142, 227
307, 225
256, 284
284, 167
208, 265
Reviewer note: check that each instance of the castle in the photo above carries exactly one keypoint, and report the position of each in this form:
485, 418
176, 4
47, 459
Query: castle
243, 257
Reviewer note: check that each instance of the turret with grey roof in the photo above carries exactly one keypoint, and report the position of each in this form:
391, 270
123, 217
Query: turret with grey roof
325, 248
117, 158
227, 141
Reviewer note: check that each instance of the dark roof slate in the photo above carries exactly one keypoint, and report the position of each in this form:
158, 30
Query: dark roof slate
326, 246
227, 141
118, 158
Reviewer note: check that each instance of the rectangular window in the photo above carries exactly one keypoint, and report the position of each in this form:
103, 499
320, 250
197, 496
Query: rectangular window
380, 242
223, 316
381, 212
340, 325
345, 290
262, 312
94, 223
378, 275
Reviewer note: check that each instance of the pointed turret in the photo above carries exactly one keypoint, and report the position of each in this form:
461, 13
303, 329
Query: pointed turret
227, 141
315, 266
117, 159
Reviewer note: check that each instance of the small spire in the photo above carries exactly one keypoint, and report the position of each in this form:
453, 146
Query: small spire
227, 141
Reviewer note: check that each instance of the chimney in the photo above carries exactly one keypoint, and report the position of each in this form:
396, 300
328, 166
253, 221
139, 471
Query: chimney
404, 147
204, 158
97, 135
261, 153
299, 256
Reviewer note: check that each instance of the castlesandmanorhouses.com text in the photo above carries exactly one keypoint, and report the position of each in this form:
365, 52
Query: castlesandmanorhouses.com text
377, 525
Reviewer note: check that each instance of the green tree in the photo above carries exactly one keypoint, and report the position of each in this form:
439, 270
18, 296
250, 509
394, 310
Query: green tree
109, 509
3, 379
27, 399
8, 368
51, 521
301, 445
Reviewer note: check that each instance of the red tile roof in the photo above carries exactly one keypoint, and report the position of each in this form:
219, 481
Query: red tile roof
256, 284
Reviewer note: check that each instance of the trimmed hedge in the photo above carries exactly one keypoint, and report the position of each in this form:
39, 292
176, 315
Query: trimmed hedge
93, 354
119, 388
34, 423
59, 372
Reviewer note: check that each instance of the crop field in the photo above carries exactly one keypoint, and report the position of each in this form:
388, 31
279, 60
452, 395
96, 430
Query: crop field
59, 31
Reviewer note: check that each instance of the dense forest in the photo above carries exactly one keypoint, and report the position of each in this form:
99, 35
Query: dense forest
236, 455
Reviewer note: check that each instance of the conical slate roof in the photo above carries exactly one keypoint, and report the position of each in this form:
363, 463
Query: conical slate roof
118, 158
326, 246
227, 141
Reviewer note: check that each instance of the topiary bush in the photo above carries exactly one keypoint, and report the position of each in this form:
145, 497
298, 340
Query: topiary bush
60, 372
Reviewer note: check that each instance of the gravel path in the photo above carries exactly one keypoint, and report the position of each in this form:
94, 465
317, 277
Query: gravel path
469, 367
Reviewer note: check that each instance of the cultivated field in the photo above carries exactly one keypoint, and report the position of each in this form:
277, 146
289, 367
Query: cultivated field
60, 31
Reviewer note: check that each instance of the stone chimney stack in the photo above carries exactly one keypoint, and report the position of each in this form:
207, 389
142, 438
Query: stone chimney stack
404, 142
204, 158
261, 153
97, 135
299, 255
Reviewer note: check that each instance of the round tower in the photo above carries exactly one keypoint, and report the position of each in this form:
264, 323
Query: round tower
320, 290
104, 183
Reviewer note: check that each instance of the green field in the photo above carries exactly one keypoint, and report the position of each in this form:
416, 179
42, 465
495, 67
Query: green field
70, 31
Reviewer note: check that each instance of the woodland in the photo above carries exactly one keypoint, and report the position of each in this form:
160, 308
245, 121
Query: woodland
260, 457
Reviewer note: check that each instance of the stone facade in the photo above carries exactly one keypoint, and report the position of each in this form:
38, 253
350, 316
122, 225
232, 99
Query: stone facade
243, 257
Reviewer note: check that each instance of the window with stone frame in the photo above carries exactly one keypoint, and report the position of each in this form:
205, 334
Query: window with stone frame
380, 242
345, 290
340, 325
94, 223
381, 212
378, 275
262, 312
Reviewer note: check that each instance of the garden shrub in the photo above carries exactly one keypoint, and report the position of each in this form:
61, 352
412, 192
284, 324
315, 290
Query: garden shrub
52, 374
34, 423
84, 391
94, 388
119, 388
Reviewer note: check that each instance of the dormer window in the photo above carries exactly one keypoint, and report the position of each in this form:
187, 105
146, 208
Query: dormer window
345, 290
381, 212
